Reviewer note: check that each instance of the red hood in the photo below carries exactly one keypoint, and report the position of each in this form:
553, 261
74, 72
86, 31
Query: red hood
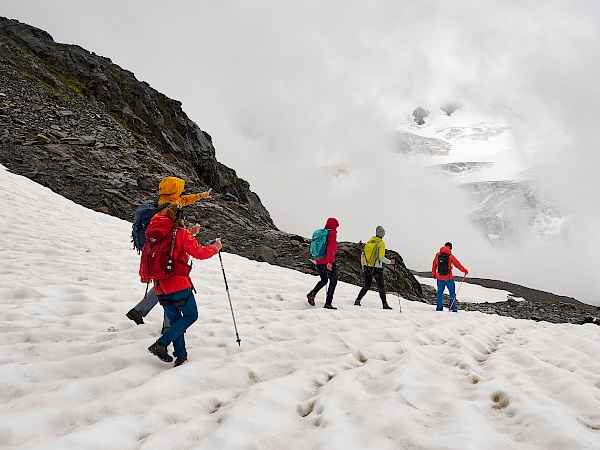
446, 250
332, 224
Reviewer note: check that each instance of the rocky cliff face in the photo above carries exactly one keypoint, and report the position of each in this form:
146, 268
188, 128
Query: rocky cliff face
89, 130
84, 107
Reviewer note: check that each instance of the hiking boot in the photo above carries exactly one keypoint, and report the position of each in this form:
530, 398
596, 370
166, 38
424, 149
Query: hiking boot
386, 306
135, 316
163, 330
329, 306
180, 360
159, 350
311, 298
357, 302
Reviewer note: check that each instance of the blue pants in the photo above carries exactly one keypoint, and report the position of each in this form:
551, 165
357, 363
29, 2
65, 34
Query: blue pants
181, 318
147, 303
326, 275
441, 284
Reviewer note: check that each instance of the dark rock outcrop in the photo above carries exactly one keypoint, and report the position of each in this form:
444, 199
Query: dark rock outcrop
449, 108
419, 115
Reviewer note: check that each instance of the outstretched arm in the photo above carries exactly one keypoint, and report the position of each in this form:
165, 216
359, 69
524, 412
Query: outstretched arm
382, 257
189, 199
194, 249
458, 265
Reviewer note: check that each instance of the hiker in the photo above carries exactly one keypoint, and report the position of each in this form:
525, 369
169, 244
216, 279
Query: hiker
176, 292
441, 270
372, 260
326, 267
170, 190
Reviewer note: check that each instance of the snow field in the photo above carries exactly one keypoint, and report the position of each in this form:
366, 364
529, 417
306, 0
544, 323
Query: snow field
76, 372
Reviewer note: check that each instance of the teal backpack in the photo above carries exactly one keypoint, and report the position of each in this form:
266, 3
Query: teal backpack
318, 244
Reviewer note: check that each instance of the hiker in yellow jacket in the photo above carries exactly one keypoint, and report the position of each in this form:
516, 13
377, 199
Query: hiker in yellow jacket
170, 190
372, 261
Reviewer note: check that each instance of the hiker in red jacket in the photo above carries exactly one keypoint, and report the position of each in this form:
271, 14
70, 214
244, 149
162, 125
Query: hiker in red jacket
326, 266
441, 269
171, 191
176, 292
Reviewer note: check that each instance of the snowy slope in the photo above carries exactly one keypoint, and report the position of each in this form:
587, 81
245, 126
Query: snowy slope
76, 372
497, 170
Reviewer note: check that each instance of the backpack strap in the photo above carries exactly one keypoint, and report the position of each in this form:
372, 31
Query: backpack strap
376, 255
161, 207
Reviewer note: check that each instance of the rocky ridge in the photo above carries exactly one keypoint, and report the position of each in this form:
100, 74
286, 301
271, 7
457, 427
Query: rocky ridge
522, 303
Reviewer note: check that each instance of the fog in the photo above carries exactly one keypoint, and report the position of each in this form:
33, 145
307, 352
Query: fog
301, 99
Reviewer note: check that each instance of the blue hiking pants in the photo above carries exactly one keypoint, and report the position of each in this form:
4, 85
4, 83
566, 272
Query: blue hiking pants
441, 284
181, 317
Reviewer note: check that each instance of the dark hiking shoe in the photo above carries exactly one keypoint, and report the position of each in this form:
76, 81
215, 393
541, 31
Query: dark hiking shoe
160, 351
163, 330
386, 306
328, 306
180, 360
135, 316
311, 298
357, 302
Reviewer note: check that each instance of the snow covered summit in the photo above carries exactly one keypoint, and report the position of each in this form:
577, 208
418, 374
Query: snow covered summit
497, 170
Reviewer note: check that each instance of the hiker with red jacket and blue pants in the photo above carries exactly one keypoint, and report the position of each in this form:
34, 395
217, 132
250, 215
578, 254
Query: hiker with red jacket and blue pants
326, 266
171, 191
176, 292
445, 278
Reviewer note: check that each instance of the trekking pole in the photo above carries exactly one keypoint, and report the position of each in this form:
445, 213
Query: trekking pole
397, 293
456, 293
238, 340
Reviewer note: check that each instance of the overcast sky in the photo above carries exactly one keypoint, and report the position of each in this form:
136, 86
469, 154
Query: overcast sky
295, 92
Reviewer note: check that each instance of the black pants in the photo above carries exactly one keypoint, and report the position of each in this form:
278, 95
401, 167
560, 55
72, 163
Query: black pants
326, 275
370, 273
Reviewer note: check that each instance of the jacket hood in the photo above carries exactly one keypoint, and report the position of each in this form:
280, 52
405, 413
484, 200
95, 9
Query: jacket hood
171, 186
375, 240
160, 226
446, 250
332, 224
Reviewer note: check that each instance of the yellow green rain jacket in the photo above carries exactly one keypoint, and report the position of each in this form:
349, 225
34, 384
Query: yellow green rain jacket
373, 254
170, 190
